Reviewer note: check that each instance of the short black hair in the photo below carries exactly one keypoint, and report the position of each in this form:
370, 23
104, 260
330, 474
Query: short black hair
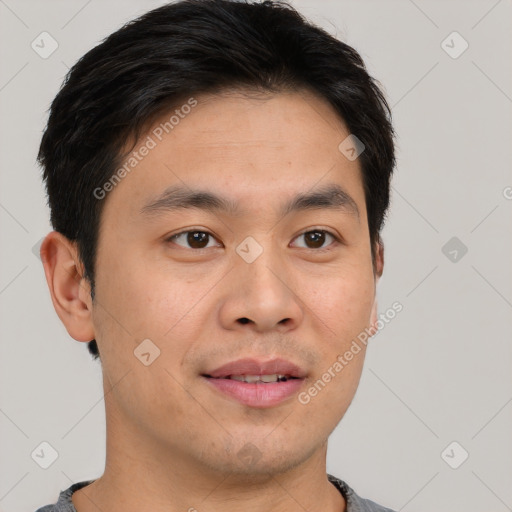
186, 48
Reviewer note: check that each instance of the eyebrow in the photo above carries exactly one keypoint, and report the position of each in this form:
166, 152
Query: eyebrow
176, 198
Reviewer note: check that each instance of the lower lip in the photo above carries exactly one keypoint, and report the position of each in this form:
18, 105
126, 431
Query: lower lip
257, 394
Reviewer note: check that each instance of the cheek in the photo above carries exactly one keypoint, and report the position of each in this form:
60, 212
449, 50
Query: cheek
139, 297
142, 301
341, 303
334, 384
135, 304
344, 304
331, 393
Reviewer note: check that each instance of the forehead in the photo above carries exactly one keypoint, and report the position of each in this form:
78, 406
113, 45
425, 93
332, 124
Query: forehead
258, 146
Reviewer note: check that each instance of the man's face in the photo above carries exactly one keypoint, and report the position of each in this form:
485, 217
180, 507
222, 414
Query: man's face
210, 287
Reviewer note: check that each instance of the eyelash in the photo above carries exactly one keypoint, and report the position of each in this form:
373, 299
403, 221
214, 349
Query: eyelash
313, 230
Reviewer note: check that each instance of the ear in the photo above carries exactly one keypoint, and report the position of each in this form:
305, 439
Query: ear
379, 268
70, 292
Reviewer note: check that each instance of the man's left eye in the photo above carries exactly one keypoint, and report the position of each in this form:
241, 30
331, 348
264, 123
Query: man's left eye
316, 238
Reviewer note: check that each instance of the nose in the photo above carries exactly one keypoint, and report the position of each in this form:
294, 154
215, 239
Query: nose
262, 297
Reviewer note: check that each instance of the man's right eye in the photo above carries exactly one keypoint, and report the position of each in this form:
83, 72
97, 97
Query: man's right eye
196, 239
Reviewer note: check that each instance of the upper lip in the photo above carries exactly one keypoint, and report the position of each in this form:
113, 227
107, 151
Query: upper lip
250, 366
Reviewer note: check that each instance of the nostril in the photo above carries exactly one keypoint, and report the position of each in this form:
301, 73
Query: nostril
244, 320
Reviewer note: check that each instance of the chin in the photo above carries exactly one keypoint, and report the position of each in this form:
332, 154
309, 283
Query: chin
255, 458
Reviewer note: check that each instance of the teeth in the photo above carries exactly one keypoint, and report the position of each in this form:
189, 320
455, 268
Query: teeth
259, 378
270, 378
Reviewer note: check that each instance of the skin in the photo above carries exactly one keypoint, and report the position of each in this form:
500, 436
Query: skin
172, 440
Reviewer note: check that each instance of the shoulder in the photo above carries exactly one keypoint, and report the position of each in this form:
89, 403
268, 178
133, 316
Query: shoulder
354, 502
64, 503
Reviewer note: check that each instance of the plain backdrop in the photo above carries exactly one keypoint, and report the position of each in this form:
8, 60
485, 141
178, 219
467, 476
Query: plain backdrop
439, 373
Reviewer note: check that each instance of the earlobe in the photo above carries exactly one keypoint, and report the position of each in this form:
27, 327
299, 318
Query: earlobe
379, 268
70, 292
379, 257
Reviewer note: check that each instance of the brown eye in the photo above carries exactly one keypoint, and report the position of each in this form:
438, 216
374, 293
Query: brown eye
315, 239
192, 239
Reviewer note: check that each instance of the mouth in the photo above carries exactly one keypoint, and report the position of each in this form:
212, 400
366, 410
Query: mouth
256, 383
251, 379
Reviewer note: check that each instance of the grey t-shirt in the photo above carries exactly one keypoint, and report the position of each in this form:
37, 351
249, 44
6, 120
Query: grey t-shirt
354, 502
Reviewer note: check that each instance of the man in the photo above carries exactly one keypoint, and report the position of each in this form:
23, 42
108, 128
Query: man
218, 175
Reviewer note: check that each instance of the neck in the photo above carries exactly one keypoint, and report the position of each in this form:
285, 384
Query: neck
140, 474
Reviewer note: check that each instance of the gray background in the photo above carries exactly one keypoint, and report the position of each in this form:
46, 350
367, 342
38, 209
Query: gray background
438, 373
